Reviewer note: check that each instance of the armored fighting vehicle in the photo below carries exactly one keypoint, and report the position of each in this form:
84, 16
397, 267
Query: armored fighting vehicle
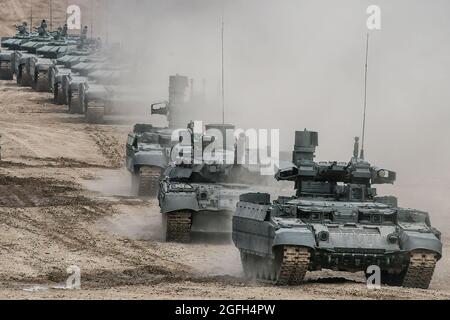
74, 81
7, 56
41, 64
335, 221
148, 147
23, 66
61, 69
59, 74
199, 197
148, 151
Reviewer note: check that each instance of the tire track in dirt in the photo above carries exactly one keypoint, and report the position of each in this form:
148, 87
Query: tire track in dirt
108, 146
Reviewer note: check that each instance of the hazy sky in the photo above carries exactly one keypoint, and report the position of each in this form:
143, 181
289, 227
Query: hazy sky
291, 64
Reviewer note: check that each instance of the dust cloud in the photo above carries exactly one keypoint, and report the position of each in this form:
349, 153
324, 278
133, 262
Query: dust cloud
300, 64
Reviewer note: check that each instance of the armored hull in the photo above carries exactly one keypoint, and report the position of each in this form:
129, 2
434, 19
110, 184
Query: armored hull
341, 236
198, 208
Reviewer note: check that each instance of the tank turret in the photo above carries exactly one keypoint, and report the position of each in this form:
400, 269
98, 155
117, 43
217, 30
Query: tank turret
332, 179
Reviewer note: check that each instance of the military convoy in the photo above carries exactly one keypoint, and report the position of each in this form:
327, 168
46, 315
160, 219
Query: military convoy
335, 221
56, 62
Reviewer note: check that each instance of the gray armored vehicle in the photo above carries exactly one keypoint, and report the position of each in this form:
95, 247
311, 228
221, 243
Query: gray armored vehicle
200, 197
148, 153
148, 147
335, 221
61, 69
7, 56
41, 64
23, 66
59, 73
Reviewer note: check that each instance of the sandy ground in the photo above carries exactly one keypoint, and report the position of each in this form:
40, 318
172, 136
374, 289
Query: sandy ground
64, 200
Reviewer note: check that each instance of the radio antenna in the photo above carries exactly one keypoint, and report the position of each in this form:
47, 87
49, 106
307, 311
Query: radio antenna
66, 14
51, 14
365, 99
92, 17
223, 70
31, 16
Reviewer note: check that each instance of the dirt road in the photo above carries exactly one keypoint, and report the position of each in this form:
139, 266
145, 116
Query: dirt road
64, 200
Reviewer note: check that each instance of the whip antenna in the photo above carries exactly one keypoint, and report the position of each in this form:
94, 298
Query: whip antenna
365, 99
51, 14
223, 71
92, 17
31, 16
66, 15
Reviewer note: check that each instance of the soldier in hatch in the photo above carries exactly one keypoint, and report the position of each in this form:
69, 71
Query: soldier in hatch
23, 28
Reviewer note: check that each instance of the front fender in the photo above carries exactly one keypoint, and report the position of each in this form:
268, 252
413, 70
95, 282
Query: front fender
294, 236
174, 201
42, 67
96, 92
6, 56
156, 159
414, 240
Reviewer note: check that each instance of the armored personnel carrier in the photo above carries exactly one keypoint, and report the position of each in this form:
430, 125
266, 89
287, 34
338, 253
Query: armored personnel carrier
335, 221
200, 197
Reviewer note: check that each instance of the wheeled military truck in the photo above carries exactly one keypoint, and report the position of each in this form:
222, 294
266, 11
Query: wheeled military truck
335, 221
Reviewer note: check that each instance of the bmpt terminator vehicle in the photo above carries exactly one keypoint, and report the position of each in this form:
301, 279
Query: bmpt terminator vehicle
148, 147
200, 197
335, 221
